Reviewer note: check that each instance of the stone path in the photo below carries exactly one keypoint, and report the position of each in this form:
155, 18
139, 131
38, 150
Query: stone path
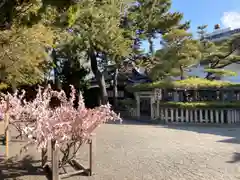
148, 152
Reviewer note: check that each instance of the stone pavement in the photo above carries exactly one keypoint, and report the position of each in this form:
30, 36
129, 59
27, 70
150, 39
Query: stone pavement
1, 127
150, 152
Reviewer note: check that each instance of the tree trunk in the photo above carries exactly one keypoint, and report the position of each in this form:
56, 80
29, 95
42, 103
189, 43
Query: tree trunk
184, 92
181, 72
56, 73
99, 77
151, 49
209, 74
115, 89
14, 87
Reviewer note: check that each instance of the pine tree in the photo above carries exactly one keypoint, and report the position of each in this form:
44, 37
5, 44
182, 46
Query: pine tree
180, 51
23, 59
217, 55
152, 18
26, 32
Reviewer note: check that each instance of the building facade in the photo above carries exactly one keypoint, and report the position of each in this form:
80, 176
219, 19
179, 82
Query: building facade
216, 36
222, 34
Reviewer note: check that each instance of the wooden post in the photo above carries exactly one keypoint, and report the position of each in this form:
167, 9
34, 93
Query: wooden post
187, 115
6, 129
172, 116
166, 115
158, 108
138, 105
176, 114
200, 115
191, 115
55, 165
217, 116
196, 115
211, 116
92, 151
182, 115
222, 116
44, 157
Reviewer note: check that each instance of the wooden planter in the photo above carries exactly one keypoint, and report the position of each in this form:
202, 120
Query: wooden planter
4, 131
53, 169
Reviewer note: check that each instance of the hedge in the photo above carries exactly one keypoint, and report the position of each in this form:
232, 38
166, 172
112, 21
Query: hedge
193, 105
221, 72
3, 86
190, 83
131, 103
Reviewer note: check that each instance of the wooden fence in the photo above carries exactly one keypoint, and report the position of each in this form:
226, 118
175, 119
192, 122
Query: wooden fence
200, 115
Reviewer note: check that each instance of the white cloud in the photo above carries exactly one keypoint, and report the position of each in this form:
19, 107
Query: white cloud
231, 19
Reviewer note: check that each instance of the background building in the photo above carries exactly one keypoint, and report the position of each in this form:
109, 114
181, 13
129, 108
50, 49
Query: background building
216, 36
222, 34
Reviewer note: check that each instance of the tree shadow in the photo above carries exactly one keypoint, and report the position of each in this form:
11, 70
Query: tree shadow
13, 168
235, 158
228, 131
142, 121
231, 132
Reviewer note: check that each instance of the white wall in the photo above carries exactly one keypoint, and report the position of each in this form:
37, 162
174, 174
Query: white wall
199, 71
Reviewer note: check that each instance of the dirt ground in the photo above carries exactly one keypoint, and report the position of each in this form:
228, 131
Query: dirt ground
135, 151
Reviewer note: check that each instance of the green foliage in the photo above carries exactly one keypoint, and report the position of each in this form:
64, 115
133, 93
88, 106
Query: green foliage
152, 18
3, 86
22, 54
179, 52
217, 55
73, 68
201, 30
194, 105
128, 103
27, 28
34, 11
221, 72
97, 27
190, 83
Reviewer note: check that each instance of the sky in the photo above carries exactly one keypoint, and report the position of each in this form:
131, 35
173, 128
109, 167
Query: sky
210, 12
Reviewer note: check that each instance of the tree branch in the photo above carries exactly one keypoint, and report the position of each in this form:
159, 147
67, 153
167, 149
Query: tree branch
2, 3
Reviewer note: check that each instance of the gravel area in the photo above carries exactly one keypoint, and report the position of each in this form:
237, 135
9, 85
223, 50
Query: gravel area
135, 151
1, 127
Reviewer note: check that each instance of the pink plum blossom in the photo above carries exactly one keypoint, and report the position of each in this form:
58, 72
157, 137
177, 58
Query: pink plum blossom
41, 123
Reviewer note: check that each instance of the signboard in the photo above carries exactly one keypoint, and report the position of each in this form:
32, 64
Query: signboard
158, 94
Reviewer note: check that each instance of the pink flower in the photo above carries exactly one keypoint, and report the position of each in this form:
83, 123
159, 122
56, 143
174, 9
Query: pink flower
41, 123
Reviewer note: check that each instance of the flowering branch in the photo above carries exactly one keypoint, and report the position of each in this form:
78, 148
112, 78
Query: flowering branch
44, 119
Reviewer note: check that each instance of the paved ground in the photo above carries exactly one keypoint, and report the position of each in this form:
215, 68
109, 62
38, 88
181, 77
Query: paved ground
148, 152
1, 127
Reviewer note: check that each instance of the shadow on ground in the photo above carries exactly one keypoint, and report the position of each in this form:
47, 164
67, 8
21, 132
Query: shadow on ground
235, 158
135, 122
13, 169
230, 132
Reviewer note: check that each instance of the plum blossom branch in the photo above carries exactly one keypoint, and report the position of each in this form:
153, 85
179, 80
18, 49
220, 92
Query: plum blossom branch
41, 122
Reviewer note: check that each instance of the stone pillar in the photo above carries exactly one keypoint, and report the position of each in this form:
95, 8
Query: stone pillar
175, 96
138, 104
152, 107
